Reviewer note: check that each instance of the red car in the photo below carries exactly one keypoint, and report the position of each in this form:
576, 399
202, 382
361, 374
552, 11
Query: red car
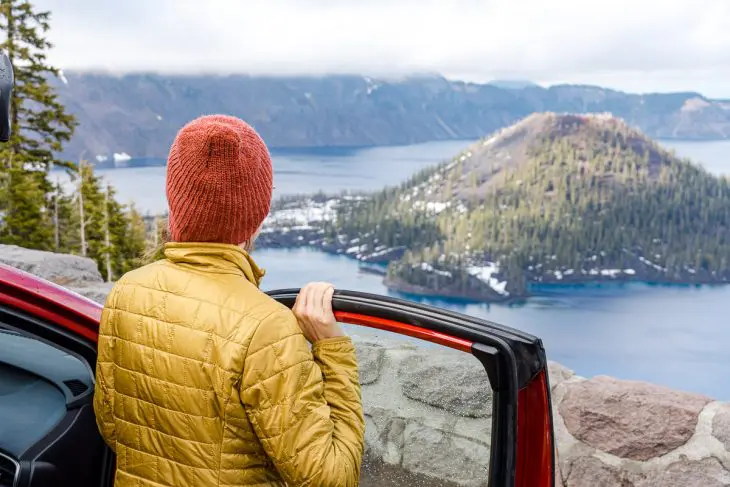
49, 437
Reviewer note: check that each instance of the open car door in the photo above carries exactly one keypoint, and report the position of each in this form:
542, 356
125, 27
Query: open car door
522, 450
48, 435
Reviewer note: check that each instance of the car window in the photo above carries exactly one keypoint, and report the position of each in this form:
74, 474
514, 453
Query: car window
427, 412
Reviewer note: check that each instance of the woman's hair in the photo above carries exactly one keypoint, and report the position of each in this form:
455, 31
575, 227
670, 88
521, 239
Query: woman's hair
156, 251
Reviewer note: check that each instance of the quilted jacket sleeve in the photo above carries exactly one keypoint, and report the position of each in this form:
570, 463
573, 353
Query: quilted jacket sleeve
104, 389
305, 405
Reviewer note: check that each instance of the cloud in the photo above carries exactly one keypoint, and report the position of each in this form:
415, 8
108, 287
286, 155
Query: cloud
650, 43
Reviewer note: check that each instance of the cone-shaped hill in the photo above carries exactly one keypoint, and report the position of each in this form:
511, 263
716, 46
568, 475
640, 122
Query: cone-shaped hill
554, 198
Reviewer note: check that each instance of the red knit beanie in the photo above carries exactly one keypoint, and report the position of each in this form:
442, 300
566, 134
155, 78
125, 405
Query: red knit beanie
219, 181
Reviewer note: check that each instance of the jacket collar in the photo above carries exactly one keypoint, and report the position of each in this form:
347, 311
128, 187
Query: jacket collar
214, 258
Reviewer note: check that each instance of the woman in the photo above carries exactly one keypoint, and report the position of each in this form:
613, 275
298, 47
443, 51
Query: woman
202, 379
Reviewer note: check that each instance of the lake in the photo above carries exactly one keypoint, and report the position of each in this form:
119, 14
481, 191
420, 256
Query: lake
333, 169
298, 172
671, 335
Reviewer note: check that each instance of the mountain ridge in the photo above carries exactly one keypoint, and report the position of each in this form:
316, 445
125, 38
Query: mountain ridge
137, 115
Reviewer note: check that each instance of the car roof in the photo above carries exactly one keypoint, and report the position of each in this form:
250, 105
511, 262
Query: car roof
46, 300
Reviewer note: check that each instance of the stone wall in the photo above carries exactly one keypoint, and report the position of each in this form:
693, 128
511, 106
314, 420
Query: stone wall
633, 434
428, 412
77, 273
427, 409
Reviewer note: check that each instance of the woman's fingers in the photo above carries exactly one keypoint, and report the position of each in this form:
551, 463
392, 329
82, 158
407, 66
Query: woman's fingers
313, 309
300, 303
329, 291
312, 300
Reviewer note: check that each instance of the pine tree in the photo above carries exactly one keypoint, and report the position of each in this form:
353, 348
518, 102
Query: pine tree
107, 249
88, 215
40, 126
40, 122
61, 215
102, 228
133, 243
25, 221
121, 251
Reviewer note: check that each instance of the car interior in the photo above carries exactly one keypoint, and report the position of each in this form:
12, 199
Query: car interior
48, 435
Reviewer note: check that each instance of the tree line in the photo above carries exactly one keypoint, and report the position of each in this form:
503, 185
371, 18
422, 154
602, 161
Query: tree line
36, 212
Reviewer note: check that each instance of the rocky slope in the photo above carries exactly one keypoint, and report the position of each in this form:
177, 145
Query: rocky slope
610, 433
138, 115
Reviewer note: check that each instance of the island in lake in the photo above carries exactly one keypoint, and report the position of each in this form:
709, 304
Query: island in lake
555, 198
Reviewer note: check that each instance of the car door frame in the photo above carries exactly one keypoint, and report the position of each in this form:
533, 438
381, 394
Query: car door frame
522, 452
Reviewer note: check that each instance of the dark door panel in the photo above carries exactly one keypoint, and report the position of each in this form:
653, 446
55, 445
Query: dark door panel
48, 434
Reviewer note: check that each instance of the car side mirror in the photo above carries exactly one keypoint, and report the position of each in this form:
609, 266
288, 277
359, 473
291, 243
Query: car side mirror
6, 93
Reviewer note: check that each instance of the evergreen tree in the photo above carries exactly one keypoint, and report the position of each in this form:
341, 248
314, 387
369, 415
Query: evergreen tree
133, 243
25, 220
61, 216
101, 228
87, 220
40, 126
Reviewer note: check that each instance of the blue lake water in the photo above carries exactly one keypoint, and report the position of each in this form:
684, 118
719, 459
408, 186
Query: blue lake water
330, 170
671, 335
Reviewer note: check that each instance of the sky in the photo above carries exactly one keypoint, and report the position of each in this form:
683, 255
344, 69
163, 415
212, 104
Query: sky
632, 45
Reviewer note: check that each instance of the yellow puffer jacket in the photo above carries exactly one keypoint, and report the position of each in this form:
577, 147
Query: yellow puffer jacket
204, 380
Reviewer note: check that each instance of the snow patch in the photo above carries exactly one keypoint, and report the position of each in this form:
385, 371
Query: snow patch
121, 157
489, 141
431, 206
610, 272
485, 274
356, 249
311, 212
649, 263
62, 77
429, 268
380, 251
372, 85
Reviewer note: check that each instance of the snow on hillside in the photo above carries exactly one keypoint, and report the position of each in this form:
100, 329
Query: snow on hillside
486, 273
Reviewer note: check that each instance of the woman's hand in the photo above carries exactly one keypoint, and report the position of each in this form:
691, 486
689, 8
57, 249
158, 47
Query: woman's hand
313, 309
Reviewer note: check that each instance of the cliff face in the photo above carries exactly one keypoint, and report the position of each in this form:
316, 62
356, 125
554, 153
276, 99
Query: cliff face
428, 413
139, 115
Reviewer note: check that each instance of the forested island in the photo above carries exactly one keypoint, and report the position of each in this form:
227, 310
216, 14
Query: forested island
555, 198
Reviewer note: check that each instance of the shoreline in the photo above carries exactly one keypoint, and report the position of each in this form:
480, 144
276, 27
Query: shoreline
142, 161
534, 288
